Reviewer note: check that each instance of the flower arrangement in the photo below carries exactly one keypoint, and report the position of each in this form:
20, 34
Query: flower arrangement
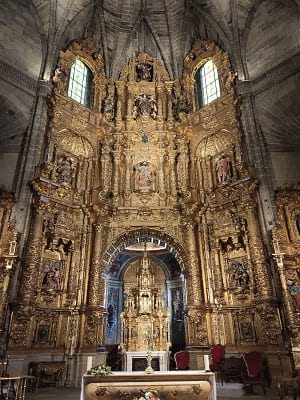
148, 396
101, 369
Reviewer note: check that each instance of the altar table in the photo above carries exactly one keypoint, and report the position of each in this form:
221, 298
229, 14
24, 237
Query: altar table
171, 385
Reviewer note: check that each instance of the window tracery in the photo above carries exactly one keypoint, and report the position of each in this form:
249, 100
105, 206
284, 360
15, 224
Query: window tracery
80, 83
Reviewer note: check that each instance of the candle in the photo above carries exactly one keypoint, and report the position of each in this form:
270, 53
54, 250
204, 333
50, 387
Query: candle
206, 362
89, 362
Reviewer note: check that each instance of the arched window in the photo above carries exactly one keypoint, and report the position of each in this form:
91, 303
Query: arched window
80, 83
207, 84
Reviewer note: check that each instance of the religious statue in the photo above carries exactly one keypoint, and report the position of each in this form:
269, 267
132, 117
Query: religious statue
65, 170
180, 103
144, 72
238, 274
144, 176
52, 275
108, 105
144, 105
59, 76
223, 170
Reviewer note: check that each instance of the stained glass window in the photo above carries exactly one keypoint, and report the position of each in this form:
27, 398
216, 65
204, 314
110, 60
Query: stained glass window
80, 83
207, 84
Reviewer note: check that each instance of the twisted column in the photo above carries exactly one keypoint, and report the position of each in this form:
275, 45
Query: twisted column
257, 253
195, 286
95, 281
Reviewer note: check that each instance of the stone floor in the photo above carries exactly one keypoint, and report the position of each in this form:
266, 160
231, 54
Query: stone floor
51, 393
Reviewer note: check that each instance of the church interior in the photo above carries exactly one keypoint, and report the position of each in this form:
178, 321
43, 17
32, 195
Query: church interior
149, 184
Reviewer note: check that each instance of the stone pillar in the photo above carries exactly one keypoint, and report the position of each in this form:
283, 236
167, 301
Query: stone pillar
257, 254
95, 279
30, 158
195, 290
258, 154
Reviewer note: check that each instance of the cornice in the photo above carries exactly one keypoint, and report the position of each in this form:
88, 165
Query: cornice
17, 78
276, 74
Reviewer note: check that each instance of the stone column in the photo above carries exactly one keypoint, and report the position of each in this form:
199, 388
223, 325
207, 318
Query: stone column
195, 290
258, 154
30, 158
257, 253
95, 278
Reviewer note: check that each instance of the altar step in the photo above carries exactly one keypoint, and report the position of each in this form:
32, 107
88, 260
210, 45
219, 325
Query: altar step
229, 390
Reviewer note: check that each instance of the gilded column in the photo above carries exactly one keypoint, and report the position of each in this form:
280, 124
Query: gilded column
170, 106
195, 295
286, 297
29, 277
95, 279
257, 253
120, 92
161, 182
172, 173
159, 108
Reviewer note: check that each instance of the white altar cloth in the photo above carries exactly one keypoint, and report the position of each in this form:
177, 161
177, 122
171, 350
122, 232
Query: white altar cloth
142, 380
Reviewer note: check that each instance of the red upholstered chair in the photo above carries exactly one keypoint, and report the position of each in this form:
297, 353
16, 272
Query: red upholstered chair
182, 359
218, 359
254, 364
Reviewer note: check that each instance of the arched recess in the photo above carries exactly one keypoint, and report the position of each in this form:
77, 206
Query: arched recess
139, 235
171, 283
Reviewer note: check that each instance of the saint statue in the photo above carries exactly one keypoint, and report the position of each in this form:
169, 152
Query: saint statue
223, 170
144, 177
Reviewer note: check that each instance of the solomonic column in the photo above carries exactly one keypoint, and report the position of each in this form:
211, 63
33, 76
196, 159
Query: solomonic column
31, 267
195, 291
95, 293
257, 253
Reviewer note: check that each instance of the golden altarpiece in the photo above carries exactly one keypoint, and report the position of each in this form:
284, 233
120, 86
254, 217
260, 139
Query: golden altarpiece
142, 165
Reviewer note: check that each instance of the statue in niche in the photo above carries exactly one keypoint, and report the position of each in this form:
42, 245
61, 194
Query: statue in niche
144, 105
238, 276
144, 72
246, 331
180, 104
177, 306
59, 76
223, 170
294, 290
65, 170
52, 274
42, 334
109, 101
110, 316
144, 176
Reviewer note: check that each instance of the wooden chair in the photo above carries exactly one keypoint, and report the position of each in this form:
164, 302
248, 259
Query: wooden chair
13, 387
254, 376
182, 359
218, 359
234, 369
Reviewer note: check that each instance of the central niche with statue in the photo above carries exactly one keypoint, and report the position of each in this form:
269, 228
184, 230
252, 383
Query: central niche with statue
145, 301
